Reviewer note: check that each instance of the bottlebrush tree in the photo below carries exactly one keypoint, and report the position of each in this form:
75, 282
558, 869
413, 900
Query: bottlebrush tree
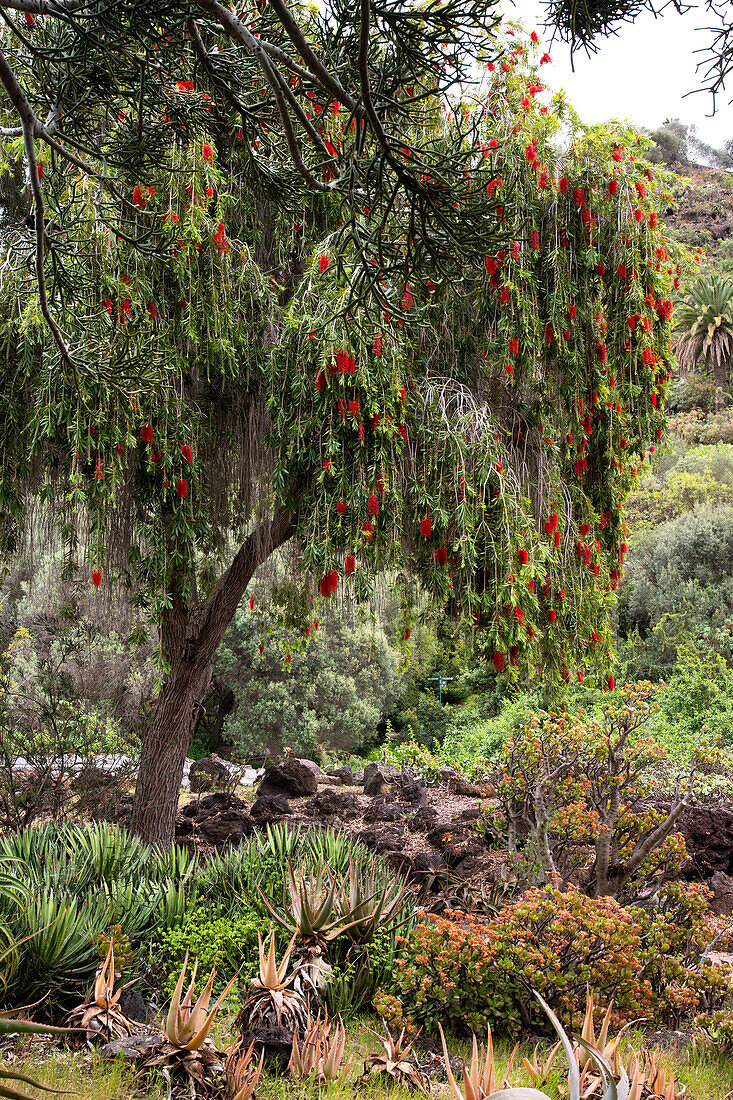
440, 348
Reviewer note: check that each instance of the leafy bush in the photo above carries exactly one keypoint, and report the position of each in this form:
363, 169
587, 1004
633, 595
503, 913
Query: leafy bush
574, 781
332, 693
227, 942
466, 974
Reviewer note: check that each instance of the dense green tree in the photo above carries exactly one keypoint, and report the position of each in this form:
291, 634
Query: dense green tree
298, 281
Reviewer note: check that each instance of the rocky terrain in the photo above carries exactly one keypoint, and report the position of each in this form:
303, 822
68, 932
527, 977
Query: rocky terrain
430, 831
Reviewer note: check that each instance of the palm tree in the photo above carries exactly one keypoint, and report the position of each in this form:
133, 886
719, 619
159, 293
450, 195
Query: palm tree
704, 327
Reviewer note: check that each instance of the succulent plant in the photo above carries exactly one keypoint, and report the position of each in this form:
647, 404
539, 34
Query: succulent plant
320, 1055
397, 1063
241, 1072
365, 906
271, 1000
8, 1079
185, 1047
101, 1018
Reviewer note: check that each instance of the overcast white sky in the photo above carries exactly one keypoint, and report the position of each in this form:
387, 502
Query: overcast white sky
642, 75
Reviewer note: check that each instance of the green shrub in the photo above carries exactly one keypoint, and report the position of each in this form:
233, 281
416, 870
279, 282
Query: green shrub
228, 943
465, 973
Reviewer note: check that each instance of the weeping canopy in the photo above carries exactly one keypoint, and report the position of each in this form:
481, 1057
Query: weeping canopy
468, 418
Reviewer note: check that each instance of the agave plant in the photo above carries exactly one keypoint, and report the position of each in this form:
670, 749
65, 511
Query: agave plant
397, 1063
311, 915
102, 1018
321, 1055
479, 1080
271, 1000
185, 1048
241, 1072
366, 906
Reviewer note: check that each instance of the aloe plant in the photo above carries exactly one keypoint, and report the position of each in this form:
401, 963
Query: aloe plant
102, 1017
271, 998
242, 1074
321, 1054
187, 1025
397, 1063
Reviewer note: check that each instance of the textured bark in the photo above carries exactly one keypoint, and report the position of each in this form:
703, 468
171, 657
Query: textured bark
191, 636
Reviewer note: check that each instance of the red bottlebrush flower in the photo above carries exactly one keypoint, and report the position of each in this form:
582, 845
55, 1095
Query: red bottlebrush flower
98, 471
28, 19
639, 215
500, 467
402, 429
377, 346
535, 240
97, 578
367, 530
441, 555
152, 310
138, 198
499, 661
327, 464
341, 507
408, 633
147, 433
426, 528
613, 186
376, 421
572, 312
107, 305
341, 406
545, 59
504, 296
320, 381
323, 585
610, 683
542, 180
552, 614
653, 399
509, 368
251, 603
350, 564
523, 557
120, 449
373, 505
549, 334
187, 452
323, 263
491, 265
526, 103
600, 268
640, 190
407, 300
185, 85
653, 221
513, 346
333, 580
353, 408
562, 185
621, 271
207, 152
534, 38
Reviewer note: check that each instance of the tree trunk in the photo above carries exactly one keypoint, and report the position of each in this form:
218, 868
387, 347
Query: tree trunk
720, 375
191, 637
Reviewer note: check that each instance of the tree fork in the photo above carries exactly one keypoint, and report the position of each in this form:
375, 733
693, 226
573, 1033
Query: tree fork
190, 638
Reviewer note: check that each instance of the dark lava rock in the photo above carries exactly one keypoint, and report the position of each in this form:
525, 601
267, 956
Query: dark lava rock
208, 773
270, 807
132, 1003
218, 819
426, 864
424, 819
708, 833
291, 777
277, 1043
413, 791
384, 838
313, 769
721, 886
385, 811
345, 775
380, 778
334, 803
131, 1047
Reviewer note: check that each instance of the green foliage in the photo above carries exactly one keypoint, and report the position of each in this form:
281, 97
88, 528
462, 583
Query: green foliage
330, 694
466, 972
216, 939
678, 590
85, 881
